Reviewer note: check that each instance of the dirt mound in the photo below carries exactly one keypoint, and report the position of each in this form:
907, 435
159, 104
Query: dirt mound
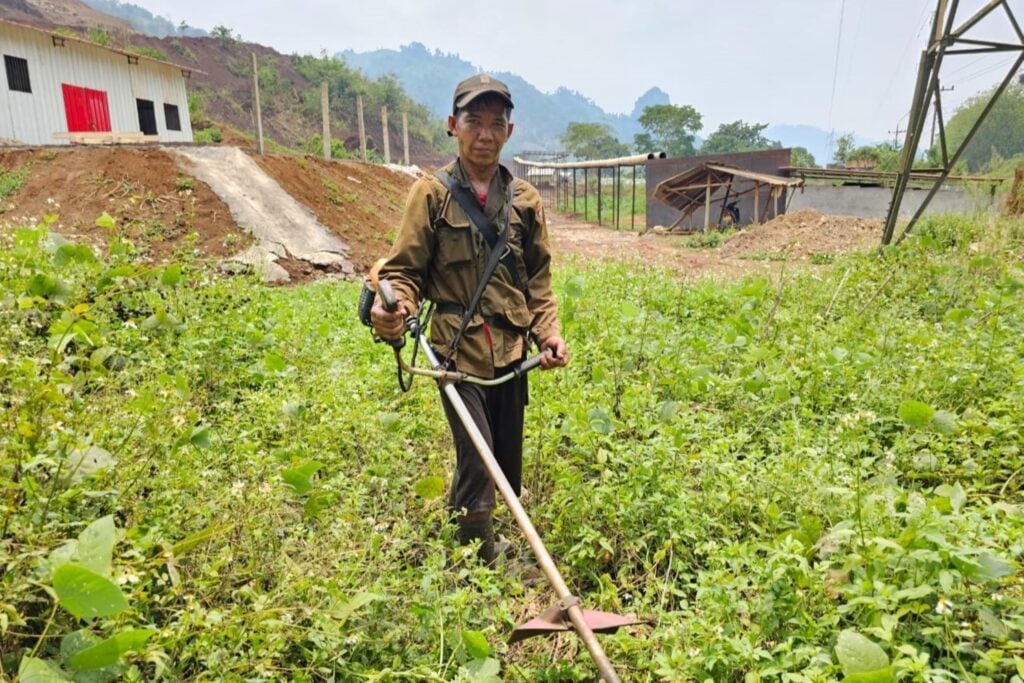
360, 203
153, 202
159, 205
804, 234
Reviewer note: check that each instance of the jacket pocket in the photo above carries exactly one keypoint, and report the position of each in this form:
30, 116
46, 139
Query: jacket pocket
519, 316
454, 245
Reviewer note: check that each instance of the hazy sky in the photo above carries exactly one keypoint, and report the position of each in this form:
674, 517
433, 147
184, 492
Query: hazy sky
765, 61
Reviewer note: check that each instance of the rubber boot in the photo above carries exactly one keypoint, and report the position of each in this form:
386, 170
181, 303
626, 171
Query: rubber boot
481, 527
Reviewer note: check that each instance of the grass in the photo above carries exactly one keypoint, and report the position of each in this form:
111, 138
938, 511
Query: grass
768, 468
585, 205
12, 180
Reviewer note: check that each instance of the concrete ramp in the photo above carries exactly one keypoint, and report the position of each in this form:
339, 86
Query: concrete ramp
281, 225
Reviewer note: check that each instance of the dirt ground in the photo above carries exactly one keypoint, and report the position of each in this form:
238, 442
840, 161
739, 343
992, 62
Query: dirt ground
155, 204
159, 206
792, 238
361, 203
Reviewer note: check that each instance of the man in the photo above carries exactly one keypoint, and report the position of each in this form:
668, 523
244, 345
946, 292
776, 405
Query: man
441, 255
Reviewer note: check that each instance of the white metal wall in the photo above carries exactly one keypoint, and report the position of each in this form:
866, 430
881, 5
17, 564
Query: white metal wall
38, 118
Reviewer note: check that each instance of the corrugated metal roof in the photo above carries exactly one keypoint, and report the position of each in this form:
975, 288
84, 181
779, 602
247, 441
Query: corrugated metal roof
134, 55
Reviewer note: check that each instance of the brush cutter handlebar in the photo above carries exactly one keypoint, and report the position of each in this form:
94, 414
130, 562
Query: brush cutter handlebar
379, 287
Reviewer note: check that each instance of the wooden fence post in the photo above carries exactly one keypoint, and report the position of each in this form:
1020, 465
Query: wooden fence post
256, 102
325, 107
405, 137
387, 140
362, 126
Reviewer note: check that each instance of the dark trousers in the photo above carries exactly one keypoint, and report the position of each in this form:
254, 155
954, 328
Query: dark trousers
498, 413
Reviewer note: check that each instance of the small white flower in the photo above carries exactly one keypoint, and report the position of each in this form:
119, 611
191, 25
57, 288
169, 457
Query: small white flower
944, 606
693, 652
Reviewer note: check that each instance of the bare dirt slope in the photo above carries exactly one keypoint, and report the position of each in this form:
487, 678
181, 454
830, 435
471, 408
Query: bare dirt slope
282, 226
799, 237
361, 203
154, 203
72, 13
164, 208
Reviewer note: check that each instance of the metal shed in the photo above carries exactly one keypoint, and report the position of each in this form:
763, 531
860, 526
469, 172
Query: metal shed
698, 186
60, 89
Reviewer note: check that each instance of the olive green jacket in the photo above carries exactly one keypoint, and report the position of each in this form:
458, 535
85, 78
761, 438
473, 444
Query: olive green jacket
438, 255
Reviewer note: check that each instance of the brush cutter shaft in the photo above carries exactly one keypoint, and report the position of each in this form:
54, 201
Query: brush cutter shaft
547, 564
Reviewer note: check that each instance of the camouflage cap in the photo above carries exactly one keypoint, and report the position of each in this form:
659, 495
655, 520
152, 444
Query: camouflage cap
475, 86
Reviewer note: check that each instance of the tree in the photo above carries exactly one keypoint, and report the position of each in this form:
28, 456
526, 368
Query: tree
738, 136
668, 128
1001, 134
222, 33
844, 145
881, 157
801, 156
592, 141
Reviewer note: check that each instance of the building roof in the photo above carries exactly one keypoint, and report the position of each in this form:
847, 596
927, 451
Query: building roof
186, 70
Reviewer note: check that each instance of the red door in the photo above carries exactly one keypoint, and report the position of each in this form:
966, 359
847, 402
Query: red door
86, 109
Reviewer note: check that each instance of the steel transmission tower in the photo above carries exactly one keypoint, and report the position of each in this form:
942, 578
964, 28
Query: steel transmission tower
946, 40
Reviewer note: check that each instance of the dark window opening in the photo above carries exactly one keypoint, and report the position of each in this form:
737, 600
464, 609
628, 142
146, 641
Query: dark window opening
17, 74
147, 117
171, 117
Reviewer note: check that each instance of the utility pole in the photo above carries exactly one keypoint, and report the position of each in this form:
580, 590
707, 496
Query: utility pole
896, 135
947, 38
935, 113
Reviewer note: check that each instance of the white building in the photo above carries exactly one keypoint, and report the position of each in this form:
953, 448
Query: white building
58, 89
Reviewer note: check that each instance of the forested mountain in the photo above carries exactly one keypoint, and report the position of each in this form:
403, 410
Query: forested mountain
429, 76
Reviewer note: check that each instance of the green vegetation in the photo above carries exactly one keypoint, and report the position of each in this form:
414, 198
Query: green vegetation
672, 129
99, 36
801, 480
146, 51
708, 239
738, 136
315, 145
801, 156
884, 156
1000, 137
668, 128
592, 141
344, 84
585, 205
11, 181
223, 33
208, 135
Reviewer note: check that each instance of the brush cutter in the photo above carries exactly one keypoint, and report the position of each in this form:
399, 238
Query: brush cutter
566, 613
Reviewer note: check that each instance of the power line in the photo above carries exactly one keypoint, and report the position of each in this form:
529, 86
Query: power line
835, 79
923, 22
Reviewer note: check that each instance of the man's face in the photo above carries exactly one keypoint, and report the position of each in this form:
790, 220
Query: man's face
481, 129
